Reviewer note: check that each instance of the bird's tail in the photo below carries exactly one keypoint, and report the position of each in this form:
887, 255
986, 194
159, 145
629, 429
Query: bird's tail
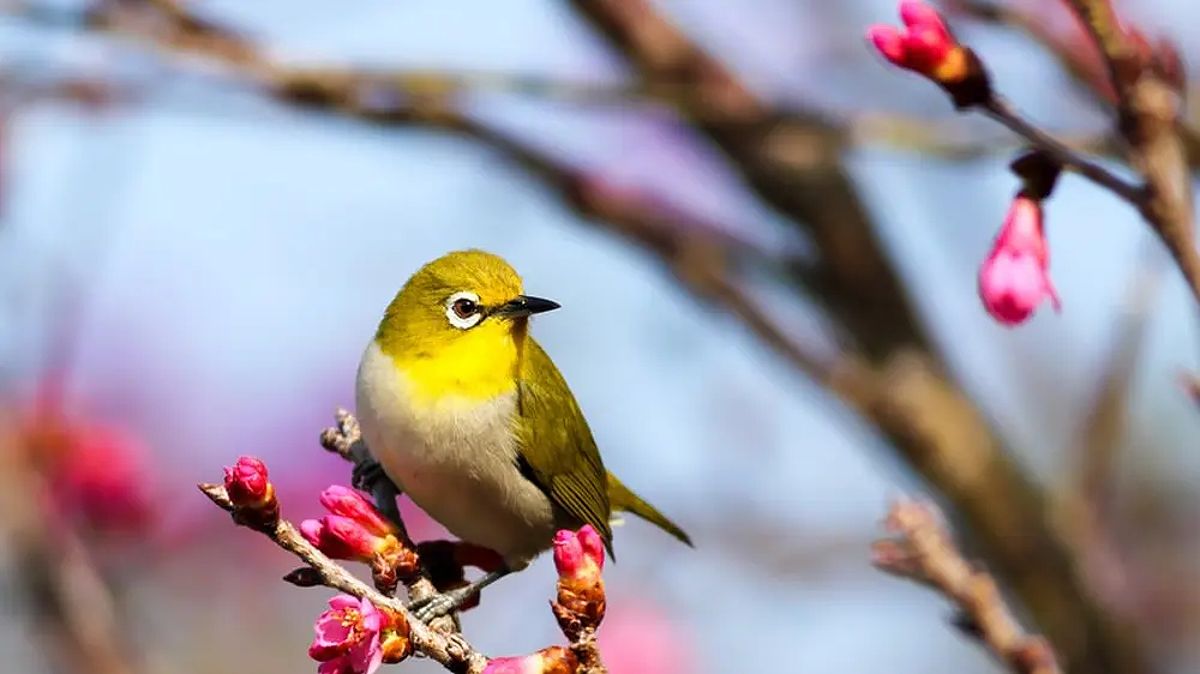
622, 498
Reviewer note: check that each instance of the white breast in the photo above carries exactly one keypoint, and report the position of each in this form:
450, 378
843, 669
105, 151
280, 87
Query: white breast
457, 460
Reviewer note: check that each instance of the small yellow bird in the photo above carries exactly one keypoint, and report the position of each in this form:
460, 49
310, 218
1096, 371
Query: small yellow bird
467, 414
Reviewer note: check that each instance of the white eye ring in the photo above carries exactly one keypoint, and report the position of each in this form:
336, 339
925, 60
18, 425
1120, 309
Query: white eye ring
463, 322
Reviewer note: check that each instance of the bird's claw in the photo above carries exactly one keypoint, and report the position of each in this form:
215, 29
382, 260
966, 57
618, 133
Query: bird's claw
366, 475
438, 605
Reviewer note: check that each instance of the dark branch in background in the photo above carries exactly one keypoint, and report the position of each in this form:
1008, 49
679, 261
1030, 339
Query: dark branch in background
1149, 111
897, 382
1089, 499
923, 550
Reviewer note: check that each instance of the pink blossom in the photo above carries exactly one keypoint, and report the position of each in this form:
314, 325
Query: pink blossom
1014, 279
347, 502
347, 637
579, 556
246, 482
924, 45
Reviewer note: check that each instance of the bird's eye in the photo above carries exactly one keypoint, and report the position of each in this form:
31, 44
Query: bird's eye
463, 310
464, 307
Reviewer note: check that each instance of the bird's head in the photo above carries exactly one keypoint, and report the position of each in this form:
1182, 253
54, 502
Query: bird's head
465, 304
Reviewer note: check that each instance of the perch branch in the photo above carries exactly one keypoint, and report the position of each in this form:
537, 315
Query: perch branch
923, 550
451, 651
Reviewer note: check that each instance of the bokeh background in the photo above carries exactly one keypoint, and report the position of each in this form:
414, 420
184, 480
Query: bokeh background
190, 268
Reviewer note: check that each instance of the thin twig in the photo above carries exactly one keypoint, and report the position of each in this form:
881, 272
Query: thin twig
1002, 111
1150, 120
453, 652
924, 551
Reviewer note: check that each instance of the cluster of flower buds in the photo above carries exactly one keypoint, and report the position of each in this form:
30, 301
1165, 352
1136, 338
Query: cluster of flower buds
355, 637
354, 530
926, 46
252, 494
578, 607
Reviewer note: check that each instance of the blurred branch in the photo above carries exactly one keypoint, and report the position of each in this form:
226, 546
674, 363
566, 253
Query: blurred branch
1106, 417
947, 139
924, 551
451, 651
1088, 502
1002, 111
1077, 58
1191, 386
63, 587
1149, 119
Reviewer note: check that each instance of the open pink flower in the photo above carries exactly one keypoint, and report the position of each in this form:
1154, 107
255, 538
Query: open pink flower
1015, 278
924, 45
579, 556
347, 640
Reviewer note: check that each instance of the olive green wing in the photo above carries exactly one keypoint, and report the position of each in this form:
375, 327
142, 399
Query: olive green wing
557, 451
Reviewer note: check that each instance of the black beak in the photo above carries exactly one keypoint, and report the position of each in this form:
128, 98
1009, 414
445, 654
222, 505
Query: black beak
524, 305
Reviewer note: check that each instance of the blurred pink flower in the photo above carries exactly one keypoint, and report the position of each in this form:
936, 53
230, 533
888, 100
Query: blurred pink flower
1014, 279
924, 45
579, 556
347, 640
639, 638
99, 475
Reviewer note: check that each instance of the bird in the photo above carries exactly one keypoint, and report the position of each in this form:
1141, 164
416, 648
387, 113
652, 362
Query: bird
467, 414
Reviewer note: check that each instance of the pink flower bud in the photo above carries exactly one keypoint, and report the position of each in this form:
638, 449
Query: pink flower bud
579, 556
246, 483
347, 637
347, 502
924, 46
552, 660
1014, 279
341, 538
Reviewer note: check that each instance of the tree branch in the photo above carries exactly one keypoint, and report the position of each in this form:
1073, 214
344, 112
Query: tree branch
1149, 119
924, 551
1002, 111
451, 651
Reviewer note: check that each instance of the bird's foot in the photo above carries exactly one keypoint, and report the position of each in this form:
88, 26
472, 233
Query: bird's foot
367, 474
431, 608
